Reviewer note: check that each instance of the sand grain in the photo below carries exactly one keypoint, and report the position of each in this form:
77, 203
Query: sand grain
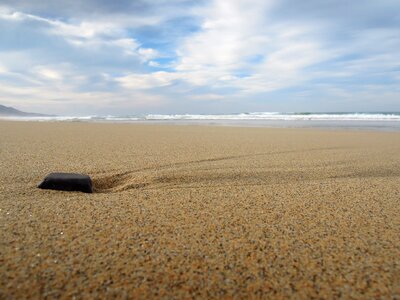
196, 211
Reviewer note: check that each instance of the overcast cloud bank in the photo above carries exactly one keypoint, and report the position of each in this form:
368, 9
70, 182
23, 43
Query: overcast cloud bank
99, 57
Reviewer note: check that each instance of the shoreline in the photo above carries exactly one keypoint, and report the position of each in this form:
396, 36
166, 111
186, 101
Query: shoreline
373, 126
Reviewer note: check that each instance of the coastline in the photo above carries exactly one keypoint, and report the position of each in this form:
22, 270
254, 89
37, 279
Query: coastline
200, 211
363, 125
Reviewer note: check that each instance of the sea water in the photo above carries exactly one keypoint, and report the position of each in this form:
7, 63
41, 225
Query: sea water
387, 121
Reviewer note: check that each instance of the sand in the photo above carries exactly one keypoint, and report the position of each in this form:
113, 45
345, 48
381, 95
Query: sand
199, 212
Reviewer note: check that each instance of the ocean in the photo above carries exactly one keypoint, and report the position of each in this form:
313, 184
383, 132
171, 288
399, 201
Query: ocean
386, 121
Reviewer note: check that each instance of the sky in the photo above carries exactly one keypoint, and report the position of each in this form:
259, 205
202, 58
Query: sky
101, 57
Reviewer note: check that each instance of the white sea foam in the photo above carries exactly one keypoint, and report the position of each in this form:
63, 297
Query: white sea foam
266, 116
282, 116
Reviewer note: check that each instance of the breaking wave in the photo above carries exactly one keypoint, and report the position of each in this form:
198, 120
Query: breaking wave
237, 116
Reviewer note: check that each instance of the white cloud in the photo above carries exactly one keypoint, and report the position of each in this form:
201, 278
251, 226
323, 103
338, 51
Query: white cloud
209, 97
80, 30
148, 81
155, 64
233, 34
88, 34
148, 53
240, 47
284, 67
3, 69
66, 100
128, 44
230, 33
48, 73
241, 50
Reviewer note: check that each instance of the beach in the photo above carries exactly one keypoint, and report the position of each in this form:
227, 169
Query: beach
199, 212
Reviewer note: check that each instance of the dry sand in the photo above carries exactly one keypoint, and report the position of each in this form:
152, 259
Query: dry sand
197, 211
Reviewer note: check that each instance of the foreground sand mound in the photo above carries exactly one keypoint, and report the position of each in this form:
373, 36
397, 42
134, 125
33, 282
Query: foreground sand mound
183, 212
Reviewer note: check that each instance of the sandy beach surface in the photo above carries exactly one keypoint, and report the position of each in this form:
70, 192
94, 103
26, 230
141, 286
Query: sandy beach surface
199, 212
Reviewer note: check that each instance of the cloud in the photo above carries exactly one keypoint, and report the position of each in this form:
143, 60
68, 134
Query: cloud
184, 54
148, 81
239, 47
48, 73
208, 97
65, 100
86, 34
3, 69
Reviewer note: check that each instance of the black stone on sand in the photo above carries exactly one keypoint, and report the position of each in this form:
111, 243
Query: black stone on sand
67, 182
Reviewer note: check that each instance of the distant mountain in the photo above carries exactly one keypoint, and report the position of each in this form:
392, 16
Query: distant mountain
6, 111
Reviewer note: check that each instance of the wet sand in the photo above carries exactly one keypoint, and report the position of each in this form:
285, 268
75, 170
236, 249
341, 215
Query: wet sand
199, 211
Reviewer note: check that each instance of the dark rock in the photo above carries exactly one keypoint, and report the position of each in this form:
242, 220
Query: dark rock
67, 182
